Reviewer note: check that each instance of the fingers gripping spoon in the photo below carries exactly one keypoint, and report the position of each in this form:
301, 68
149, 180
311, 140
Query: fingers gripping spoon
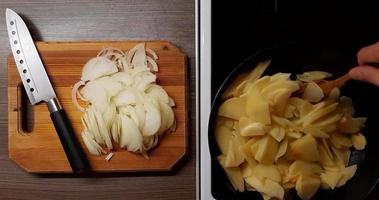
38, 88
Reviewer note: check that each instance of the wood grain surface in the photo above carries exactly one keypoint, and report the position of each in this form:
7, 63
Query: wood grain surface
66, 20
39, 151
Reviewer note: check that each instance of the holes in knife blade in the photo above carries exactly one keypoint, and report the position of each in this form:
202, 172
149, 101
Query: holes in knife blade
31, 89
12, 22
21, 61
13, 32
18, 51
25, 112
28, 80
15, 42
24, 71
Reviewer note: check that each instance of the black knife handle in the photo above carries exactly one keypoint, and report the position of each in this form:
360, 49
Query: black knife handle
71, 146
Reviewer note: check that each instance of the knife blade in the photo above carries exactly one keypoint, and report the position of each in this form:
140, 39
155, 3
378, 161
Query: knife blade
39, 89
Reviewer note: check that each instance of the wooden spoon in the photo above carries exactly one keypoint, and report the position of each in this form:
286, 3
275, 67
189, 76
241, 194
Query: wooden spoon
328, 86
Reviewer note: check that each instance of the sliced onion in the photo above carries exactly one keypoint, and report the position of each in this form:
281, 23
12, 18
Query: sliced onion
152, 120
131, 137
74, 92
98, 67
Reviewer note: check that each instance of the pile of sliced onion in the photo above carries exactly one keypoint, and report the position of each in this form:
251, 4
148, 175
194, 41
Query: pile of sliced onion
124, 104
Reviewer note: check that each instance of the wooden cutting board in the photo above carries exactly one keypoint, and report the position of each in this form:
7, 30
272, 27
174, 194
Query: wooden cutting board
39, 151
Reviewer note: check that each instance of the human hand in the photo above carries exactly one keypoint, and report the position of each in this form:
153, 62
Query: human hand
365, 71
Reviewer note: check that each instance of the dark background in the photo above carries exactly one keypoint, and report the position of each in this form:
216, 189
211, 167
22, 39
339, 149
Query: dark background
240, 29
93, 20
326, 32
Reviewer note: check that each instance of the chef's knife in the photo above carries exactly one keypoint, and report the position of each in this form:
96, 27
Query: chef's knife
38, 88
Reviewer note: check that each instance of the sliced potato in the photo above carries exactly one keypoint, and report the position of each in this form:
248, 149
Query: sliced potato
277, 133
247, 169
307, 186
233, 108
313, 93
305, 149
300, 167
359, 141
232, 89
225, 121
313, 76
340, 141
267, 150
266, 186
250, 128
273, 141
329, 179
315, 132
234, 175
257, 107
223, 136
268, 171
351, 125
248, 153
282, 149
325, 159
341, 156
347, 174
234, 156
262, 82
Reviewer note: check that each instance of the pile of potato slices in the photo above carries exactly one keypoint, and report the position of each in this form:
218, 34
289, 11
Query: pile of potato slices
273, 138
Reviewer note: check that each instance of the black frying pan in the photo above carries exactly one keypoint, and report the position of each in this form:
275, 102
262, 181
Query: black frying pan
297, 59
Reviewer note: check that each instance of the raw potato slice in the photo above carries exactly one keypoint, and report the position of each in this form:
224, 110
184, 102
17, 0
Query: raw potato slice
300, 167
325, 159
247, 169
262, 82
233, 108
277, 133
330, 179
258, 71
351, 125
305, 149
229, 123
267, 171
267, 150
315, 132
223, 137
257, 107
319, 111
313, 93
347, 174
232, 89
248, 153
283, 167
307, 186
266, 186
340, 141
248, 127
282, 149
313, 76
359, 141
341, 156
234, 156
234, 175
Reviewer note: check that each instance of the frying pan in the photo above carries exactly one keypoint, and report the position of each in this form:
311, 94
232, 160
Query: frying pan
297, 59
